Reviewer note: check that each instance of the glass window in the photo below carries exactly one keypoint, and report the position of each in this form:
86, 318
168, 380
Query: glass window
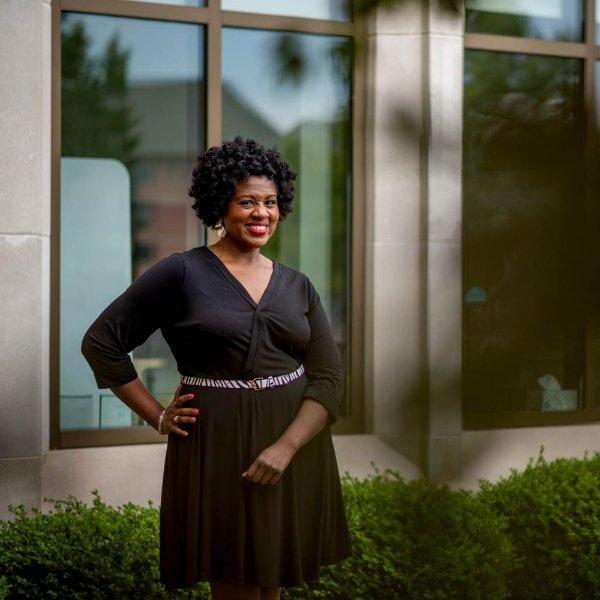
293, 90
524, 223
335, 10
132, 126
557, 20
176, 2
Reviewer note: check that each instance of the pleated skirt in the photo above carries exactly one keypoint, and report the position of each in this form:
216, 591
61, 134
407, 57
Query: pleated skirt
217, 526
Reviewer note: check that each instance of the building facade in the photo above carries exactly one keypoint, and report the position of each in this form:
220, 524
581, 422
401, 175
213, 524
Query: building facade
446, 210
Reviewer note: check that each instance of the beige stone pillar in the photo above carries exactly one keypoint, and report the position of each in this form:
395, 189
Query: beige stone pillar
413, 306
24, 248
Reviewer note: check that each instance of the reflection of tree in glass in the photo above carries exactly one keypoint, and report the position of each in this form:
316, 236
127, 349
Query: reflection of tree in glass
333, 167
567, 27
98, 121
366, 7
294, 66
504, 23
337, 168
525, 221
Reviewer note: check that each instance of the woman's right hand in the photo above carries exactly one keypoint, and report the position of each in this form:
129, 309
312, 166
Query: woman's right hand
184, 415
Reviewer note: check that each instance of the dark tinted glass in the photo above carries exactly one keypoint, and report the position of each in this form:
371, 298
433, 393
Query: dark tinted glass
524, 227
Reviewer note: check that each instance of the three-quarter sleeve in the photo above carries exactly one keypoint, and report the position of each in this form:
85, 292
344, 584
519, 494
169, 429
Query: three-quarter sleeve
147, 304
322, 361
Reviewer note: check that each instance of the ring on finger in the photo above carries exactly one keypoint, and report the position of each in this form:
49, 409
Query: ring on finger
176, 419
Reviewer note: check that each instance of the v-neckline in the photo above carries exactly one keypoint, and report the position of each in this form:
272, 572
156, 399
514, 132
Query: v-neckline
238, 284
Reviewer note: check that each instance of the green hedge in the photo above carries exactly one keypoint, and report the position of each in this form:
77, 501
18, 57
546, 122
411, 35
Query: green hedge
553, 513
419, 541
81, 552
531, 535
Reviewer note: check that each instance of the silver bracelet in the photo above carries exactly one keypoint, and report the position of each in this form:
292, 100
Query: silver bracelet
160, 419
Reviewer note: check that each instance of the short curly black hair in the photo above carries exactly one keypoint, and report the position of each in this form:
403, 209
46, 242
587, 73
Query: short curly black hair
221, 168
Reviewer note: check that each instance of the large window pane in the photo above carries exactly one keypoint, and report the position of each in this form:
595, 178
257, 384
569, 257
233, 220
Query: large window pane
545, 19
524, 224
335, 10
293, 91
132, 126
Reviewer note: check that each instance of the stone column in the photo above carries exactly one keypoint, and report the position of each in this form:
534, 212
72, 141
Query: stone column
24, 248
413, 322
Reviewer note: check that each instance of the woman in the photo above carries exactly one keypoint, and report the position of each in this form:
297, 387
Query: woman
251, 497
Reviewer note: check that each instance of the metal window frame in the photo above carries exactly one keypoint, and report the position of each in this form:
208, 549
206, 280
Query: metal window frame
214, 19
589, 51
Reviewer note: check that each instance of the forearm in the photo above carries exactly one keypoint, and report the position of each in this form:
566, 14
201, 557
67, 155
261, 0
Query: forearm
310, 420
137, 397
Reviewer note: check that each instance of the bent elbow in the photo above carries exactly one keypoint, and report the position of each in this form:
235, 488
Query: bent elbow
87, 344
84, 345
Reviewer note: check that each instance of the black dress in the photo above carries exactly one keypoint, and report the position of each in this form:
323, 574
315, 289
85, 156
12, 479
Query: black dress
216, 525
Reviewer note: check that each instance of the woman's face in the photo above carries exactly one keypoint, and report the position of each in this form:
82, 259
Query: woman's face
252, 213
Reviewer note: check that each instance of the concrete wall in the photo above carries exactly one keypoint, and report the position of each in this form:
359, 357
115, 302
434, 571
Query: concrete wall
24, 246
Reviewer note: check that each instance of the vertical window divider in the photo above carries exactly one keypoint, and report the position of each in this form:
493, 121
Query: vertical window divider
591, 317
214, 92
55, 154
214, 87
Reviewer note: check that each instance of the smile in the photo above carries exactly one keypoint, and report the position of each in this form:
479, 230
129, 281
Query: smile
257, 229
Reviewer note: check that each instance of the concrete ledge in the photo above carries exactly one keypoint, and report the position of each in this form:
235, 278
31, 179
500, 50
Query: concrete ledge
133, 473
355, 452
491, 453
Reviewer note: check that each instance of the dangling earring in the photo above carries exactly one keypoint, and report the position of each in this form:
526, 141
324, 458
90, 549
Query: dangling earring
221, 231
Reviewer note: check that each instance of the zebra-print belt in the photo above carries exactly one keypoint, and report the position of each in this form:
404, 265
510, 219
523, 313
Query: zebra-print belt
258, 383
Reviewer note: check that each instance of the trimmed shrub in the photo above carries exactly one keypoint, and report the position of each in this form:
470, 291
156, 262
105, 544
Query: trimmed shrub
83, 553
417, 540
553, 513
410, 540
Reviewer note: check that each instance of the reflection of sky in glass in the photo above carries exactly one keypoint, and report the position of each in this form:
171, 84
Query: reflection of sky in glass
548, 8
546, 19
314, 9
177, 60
251, 68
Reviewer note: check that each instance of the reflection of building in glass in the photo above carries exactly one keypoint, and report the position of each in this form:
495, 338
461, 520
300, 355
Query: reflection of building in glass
164, 170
